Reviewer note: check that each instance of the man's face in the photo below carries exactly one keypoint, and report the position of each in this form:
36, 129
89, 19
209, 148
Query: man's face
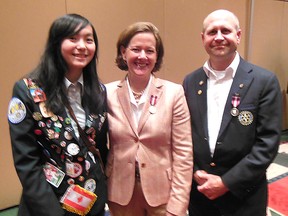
221, 36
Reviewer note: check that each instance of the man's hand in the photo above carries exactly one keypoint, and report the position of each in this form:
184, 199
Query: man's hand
198, 177
210, 185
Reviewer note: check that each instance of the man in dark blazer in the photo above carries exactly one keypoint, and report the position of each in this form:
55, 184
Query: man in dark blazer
236, 125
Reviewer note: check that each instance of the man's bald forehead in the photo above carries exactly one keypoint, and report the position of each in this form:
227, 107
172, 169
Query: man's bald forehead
221, 14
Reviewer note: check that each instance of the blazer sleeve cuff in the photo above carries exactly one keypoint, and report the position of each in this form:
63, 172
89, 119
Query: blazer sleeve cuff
177, 207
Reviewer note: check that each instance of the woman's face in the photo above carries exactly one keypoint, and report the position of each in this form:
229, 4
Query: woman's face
78, 50
140, 54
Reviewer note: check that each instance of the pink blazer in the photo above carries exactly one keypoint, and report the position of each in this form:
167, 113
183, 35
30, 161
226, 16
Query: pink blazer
162, 140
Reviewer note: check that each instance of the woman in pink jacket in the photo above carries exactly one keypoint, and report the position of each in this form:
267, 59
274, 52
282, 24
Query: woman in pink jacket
150, 162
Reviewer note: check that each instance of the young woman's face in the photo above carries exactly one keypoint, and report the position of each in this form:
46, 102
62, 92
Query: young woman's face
78, 50
140, 54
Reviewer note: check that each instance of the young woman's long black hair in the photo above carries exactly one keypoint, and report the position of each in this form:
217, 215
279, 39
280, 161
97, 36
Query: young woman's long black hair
51, 70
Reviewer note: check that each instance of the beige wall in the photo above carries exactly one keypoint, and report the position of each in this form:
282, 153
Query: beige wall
24, 27
269, 44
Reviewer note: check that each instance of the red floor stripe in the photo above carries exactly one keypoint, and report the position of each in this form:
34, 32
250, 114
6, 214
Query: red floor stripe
278, 195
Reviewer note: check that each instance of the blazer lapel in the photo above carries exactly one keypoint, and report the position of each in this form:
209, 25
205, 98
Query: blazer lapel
156, 91
201, 91
124, 99
240, 85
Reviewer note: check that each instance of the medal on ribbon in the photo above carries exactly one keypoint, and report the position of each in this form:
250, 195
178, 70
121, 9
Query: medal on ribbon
235, 103
153, 101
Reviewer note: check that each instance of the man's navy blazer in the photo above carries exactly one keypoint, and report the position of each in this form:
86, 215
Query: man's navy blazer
247, 143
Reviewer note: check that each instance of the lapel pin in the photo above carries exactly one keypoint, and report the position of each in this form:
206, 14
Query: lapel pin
153, 102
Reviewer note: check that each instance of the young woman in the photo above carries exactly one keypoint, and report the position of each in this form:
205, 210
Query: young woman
55, 113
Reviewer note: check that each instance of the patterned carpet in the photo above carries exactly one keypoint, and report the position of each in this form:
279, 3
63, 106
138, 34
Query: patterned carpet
277, 175
278, 191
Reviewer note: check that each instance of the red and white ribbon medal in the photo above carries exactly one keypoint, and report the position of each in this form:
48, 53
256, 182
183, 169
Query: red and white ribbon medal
153, 101
235, 103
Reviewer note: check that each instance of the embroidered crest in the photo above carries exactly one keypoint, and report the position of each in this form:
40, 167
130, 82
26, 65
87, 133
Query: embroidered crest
16, 110
245, 118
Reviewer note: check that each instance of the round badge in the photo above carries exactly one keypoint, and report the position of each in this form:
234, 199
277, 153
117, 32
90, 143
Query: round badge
38, 132
152, 109
67, 120
49, 123
63, 144
37, 116
51, 134
234, 111
57, 130
73, 149
44, 111
81, 178
70, 181
41, 124
67, 135
87, 165
58, 124
16, 110
54, 118
245, 118
57, 135
73, 169
90, 185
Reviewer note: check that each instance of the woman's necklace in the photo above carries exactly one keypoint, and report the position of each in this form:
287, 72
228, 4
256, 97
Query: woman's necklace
137, 95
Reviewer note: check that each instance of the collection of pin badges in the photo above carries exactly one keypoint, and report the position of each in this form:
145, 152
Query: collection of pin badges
60, 132
70, 152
